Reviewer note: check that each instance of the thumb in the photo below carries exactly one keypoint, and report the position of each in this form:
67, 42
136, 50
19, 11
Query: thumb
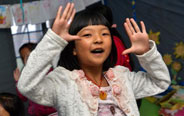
75, 37
16, 68
127, 51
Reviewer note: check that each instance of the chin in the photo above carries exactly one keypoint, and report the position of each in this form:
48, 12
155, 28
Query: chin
99, 63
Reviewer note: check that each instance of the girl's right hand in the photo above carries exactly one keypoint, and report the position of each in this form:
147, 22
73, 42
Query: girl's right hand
62, 22
16, 74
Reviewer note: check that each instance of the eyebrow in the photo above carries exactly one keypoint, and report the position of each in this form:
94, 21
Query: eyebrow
92, 29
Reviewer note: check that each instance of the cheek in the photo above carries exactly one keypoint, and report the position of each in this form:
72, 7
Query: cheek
3, 112
109, 44
25, 61
108, 47
82, 45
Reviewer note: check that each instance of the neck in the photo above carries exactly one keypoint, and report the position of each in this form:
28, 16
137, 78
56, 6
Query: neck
94, 73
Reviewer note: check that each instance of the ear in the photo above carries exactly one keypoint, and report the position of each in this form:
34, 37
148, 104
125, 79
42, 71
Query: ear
114, 26
74, 52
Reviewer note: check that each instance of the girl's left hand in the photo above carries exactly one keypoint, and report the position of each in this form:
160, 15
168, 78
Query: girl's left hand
139, 39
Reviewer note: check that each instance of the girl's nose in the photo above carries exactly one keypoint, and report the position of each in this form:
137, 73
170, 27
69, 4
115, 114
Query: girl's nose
98, 39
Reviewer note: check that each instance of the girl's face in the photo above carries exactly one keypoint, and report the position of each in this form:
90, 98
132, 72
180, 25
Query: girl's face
25, 54
94, 46
3, 112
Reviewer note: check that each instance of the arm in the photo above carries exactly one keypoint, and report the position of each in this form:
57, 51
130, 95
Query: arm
16, 75
33, 82
157, 78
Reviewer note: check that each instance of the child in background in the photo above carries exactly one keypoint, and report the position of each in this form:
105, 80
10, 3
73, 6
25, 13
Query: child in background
11, 105
87, 82
33, 108
25, 50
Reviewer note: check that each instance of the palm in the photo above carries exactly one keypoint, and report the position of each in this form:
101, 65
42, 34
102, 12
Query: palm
139, 40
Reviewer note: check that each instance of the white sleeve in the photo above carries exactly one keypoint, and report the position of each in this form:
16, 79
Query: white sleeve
33, 82
155, 80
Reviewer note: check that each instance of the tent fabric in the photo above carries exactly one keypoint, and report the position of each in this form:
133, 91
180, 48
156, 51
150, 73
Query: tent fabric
7, 61
163, 16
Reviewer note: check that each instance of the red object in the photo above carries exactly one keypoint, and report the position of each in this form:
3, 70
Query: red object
122, 60
163, 112
180, 112
94, 81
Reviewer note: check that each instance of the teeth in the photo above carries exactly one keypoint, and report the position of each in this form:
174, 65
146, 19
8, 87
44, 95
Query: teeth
97, 51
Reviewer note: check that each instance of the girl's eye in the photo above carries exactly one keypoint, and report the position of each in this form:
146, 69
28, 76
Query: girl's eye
86, 35
105, 34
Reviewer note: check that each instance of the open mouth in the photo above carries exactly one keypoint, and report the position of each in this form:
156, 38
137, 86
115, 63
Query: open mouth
97, 51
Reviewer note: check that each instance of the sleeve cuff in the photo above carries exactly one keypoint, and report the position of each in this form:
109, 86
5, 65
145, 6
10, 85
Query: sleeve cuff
151, 54
56, 38
151, 51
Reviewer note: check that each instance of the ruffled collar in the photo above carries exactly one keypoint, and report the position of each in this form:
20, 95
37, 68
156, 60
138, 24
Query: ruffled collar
90, 92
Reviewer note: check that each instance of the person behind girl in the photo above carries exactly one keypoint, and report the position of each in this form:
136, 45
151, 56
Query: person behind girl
124, 60
11, 105
33, 108
86, 83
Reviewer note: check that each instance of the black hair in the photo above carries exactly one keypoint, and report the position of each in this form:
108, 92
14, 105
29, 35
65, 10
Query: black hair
103, 9
12, 104
30, 46
82, 19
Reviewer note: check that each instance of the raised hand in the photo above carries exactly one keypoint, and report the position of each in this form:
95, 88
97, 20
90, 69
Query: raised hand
62, 22
139, 39
16, 74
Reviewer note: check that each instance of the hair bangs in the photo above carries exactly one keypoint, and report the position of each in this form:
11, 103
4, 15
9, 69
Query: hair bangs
86, 18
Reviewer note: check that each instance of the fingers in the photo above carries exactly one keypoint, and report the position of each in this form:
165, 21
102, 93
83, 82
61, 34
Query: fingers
127, 51
135, 25
73, 14
59, 12
75, 37
16, 74
129, 32
71, 17
130, 26
70, 11
67, 12
143, 27
16, 70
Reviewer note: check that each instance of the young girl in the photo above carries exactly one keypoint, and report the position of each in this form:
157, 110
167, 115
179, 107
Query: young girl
86, 83
124, 60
